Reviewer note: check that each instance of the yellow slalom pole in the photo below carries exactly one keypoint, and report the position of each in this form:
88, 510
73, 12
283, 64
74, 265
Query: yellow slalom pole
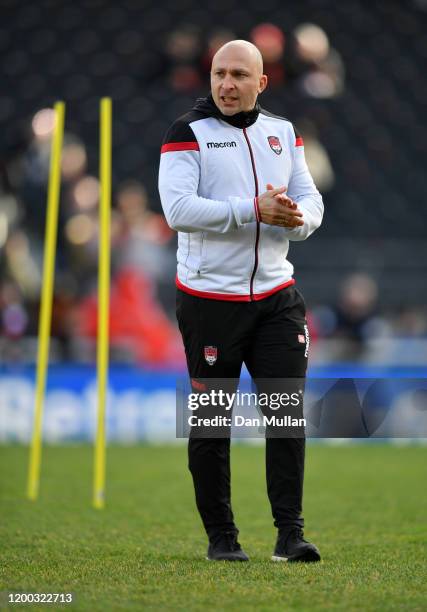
103, 298
45, 316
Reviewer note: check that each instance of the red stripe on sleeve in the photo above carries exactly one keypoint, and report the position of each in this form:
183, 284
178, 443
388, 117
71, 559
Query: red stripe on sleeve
299, 142
180, 146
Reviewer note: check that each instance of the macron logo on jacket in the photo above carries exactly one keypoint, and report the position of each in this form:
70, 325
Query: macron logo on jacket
224, 251
217, 145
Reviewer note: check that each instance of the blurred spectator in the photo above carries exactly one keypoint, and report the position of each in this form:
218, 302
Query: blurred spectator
215, 40
64, 312
183, 52
356, 306
143, 236
11, 215
74, 158
411, 322
14, 322
324, 77
354, 318
14, 316
317, 157
33, 185
35, 171
22, 262
139, 330
270, 40
80, 232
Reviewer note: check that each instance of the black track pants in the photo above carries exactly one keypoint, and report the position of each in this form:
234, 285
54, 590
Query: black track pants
266, 335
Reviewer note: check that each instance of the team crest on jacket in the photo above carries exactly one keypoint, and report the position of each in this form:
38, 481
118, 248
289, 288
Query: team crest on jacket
274, 143
211, 354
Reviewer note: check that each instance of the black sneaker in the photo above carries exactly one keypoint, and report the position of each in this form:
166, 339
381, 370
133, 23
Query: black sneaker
291, 546
225, 547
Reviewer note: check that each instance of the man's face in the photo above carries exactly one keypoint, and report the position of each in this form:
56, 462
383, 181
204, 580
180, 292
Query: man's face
236, 80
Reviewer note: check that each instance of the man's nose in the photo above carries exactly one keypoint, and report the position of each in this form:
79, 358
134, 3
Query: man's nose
228, 82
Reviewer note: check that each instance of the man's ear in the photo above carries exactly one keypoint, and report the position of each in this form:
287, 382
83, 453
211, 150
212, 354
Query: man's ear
263, 81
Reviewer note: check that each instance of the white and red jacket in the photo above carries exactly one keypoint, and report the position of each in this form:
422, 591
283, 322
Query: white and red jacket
212, 170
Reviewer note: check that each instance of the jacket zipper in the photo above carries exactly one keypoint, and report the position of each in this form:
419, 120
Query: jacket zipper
257, 222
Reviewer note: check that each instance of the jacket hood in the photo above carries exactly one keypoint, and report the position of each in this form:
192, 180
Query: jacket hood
244, 119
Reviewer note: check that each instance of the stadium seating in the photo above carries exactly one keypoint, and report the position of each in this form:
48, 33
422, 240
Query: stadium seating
373, 131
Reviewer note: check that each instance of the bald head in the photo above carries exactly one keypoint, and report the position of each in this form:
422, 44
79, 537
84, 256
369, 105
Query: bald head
242, 49
237, 77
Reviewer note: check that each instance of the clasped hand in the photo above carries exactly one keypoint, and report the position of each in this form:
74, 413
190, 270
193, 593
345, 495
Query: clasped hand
277, 209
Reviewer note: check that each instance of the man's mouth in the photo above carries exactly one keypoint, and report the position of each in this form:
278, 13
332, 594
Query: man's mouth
228, 99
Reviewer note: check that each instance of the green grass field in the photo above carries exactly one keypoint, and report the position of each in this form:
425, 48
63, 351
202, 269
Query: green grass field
365, 507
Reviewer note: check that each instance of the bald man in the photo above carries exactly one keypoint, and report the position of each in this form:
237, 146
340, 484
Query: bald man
234, 184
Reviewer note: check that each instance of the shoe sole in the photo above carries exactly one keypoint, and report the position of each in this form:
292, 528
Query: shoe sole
310, 556
229, 560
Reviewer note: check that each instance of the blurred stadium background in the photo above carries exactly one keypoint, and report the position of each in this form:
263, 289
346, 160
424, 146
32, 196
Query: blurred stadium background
350, 76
